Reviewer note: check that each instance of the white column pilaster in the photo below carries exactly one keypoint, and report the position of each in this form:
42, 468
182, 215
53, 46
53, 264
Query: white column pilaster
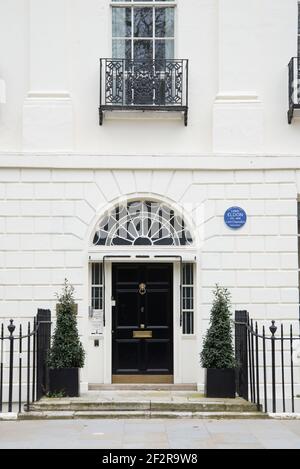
48, 113
238, 110
2, 92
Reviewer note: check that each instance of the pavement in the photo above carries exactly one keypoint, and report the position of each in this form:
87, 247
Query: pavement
150, 434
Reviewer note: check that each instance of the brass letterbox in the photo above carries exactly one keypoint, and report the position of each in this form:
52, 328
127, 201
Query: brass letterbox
142, 334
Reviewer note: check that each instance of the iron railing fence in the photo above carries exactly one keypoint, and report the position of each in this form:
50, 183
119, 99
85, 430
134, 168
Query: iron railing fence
23, 370
146, 85
293, 87
265, 363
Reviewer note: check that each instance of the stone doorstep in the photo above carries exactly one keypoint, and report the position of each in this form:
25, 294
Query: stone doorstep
281, 416
143, 397
153, 406
143, 387
143, 405
74, 406
141, 415
8, 416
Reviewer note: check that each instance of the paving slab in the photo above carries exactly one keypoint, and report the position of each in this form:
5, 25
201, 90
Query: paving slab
150, 434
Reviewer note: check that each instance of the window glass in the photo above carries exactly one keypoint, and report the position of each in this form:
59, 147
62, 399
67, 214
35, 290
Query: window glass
164, 22
143, 50
143, 223
121, 49
143, 32
97, 286
143, 22
121, 22
164, 50
142, 1
188, 299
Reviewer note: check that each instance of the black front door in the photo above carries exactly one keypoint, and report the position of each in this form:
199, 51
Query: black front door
142, 320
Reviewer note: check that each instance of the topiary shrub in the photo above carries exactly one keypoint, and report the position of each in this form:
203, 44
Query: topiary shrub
218, 351
66, 350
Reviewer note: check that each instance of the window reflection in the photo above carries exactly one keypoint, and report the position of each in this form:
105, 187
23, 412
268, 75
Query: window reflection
143, 33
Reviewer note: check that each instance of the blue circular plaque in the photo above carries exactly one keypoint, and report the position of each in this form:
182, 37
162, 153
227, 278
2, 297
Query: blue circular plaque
235, 217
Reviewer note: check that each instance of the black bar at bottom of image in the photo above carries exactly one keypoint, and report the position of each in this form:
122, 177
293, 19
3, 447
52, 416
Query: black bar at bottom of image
130, 458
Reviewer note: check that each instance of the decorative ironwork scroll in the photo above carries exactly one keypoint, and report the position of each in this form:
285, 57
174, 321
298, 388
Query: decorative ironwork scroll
142, 223
160, 85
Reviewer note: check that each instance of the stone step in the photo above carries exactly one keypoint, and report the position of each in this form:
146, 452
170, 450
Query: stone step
68, 415
142, 387
61, 405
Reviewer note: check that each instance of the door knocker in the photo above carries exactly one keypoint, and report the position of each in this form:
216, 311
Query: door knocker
142, 289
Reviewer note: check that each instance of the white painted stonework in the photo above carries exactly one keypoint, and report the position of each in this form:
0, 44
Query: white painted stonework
60, 171
2, 92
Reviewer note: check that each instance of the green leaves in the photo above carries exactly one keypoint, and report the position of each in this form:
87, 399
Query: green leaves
218, 349
66, 350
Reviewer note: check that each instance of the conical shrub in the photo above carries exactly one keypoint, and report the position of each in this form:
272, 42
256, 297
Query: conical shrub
218, 349
66, 350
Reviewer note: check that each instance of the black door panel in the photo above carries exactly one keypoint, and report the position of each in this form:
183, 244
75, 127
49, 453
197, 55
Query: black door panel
143, 309
128, 356
128, 309
157, 354
158, 308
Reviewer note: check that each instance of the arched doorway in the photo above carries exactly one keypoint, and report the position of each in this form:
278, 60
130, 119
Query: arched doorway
142, 243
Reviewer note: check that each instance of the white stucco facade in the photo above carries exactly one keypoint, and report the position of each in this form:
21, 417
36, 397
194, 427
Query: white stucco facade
60, 171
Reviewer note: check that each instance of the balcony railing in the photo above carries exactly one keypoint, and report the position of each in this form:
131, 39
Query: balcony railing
294, 87
156, 85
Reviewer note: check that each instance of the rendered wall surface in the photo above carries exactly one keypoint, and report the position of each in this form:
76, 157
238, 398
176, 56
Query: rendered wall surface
49, 60
59, 169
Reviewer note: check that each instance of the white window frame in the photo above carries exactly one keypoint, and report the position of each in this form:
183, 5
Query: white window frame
298, 248
298, 30
188, 312
96, 285
132, 38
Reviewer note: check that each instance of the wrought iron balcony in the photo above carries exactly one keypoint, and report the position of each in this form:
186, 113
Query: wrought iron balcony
294, 87
156, 85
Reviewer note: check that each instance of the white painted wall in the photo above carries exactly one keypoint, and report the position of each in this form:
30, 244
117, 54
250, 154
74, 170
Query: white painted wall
46, 217
238, 51
13, 70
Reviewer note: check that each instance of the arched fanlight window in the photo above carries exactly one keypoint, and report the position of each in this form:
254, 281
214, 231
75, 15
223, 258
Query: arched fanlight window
142, 223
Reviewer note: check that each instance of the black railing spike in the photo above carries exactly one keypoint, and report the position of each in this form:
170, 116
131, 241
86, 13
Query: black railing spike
273, 328
28, 369
11, 328
292, 369
1, 366
282, 369
20, 368
265, 370
23, 361
257, 367
252, 362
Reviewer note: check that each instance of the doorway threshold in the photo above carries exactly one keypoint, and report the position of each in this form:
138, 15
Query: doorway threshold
142, 387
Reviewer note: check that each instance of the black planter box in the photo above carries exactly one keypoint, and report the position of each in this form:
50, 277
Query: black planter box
65, 380
220, 383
